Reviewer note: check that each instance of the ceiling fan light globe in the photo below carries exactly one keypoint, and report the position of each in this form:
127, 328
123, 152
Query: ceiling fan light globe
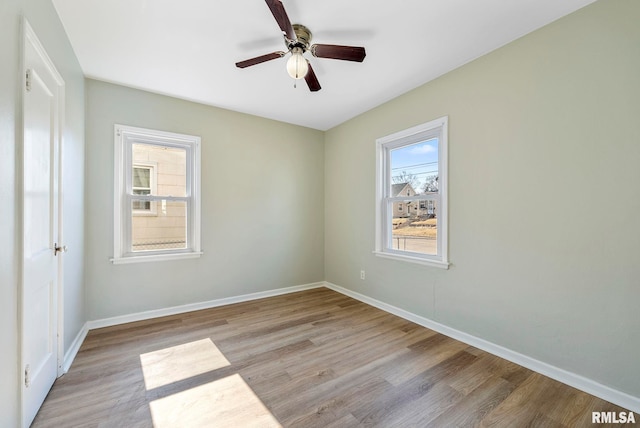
297, 66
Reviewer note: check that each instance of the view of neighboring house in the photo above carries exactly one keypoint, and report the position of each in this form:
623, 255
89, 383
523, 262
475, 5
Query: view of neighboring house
158, 170
414, 220
402, 209
411, 208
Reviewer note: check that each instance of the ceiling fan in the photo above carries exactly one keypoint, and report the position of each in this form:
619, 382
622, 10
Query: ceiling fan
297, 39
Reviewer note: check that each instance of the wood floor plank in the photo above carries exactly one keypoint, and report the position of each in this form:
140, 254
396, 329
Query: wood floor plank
571, 407
433, 403
472, 409
420, 361
337, 406
315, 358
378, 410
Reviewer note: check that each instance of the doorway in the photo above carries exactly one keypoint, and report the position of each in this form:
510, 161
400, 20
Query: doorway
41, 228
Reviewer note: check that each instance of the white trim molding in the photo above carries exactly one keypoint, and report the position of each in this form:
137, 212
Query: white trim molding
174, 310
418, 260
125, 137
572, 379
579, 382
71, 353
385, 201
37, 66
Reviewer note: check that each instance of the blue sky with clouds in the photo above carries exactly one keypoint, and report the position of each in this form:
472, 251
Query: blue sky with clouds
420, 159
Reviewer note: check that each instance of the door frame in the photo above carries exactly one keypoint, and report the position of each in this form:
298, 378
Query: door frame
29, 37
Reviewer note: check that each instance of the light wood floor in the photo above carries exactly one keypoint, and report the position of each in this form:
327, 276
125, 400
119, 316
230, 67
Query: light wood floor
309, 359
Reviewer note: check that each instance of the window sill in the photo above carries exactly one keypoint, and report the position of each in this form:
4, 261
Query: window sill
155, 258
410, 259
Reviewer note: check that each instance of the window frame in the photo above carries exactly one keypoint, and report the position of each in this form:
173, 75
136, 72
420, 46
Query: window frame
124, 138
437, 128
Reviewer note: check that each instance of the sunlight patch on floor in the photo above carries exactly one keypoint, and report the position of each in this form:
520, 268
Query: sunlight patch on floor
170, 365
228, 402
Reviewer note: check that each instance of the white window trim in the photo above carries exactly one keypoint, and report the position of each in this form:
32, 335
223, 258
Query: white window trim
124, 136
435, 128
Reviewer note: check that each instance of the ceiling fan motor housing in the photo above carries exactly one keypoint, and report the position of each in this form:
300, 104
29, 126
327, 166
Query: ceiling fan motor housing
304, 37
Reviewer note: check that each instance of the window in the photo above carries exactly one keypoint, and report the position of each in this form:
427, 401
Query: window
144, 183
412, 170
157, 195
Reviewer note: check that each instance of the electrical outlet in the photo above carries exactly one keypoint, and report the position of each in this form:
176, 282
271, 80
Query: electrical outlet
362, 274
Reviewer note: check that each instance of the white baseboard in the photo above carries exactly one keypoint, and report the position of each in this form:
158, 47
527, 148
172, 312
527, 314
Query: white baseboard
579, 382
572, 379
174, 310
71, 353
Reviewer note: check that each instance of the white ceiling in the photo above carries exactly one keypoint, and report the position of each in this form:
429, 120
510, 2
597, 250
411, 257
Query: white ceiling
188, 48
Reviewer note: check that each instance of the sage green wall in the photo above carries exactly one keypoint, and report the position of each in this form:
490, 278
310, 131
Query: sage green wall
9, 113
44, 20
544, 197
262, 205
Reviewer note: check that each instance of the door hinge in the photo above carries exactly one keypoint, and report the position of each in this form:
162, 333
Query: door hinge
28, 80
27, 381
56, 249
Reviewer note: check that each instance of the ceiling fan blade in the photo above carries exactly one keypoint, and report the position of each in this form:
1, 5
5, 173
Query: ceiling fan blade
347, 53
259, 59
277, 9
312, 80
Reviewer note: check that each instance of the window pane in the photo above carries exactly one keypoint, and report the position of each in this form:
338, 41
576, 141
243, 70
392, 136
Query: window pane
170, 172
142, 177
414, 226
142, 205
164, 231
414, 169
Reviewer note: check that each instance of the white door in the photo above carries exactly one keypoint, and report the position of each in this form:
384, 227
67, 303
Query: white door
42, 95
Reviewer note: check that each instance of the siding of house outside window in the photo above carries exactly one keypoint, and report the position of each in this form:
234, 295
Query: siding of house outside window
157, 197
167, 228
